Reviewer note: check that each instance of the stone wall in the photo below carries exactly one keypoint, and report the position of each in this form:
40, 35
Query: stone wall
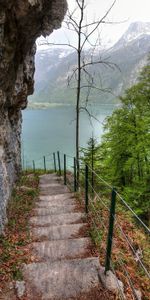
21, 22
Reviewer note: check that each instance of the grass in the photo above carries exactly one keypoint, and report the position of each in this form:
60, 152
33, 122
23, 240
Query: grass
14, 245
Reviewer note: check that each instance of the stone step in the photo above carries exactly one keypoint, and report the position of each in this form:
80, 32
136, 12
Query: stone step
58, 232
62, 249
53, 190
68, 218
62, 279
67, 271
65, 202
50, 177
54, 210
49, 180
50, 185
58, 197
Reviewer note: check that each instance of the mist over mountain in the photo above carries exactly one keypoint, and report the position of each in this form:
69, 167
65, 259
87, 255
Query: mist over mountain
53, 66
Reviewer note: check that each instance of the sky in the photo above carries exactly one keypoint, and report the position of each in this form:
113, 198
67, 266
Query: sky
123, 12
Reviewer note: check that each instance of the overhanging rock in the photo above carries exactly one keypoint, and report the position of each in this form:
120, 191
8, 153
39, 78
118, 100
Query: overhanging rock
21, 22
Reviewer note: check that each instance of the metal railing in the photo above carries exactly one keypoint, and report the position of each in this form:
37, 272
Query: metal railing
66, 165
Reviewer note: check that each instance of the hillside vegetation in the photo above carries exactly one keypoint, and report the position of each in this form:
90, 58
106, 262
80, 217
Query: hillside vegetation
123, 156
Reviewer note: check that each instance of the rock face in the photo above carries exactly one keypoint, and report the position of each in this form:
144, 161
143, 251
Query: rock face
21, 22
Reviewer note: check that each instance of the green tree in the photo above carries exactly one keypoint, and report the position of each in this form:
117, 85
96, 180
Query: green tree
124, 154
90, 153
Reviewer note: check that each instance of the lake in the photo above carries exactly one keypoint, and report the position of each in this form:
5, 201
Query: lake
48, 130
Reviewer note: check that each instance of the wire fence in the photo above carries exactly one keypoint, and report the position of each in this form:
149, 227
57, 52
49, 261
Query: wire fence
113, 233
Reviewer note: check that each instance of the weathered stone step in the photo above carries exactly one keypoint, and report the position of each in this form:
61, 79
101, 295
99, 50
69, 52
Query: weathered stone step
50, 185
56, 197
62, 279
57, 203
58, 232
53, 189
49, 177
54, 210
68, 218
53, 200
62, 249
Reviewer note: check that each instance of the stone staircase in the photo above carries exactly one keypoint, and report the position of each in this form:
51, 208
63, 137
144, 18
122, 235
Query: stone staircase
65, 268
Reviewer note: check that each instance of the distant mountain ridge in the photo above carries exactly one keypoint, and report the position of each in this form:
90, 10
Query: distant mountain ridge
135, 31
55, 64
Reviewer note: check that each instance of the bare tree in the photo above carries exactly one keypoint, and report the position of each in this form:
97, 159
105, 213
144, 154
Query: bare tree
76, 22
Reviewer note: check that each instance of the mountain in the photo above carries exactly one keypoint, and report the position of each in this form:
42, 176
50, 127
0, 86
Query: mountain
136, 30
127, 57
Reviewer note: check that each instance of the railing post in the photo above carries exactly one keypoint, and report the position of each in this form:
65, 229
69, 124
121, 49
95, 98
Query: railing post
59, 166
44, 163
33, 166
92, 182
86, 188
54, 162
92, 175
110, 230
65, 178
75, 175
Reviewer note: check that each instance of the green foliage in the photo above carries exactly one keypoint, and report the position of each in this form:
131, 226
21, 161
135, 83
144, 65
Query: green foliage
90, 153
123, 157
96, 236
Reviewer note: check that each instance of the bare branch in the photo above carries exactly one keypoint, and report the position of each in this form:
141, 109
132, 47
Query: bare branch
82, 15
84, 65
89, 76
89, 114
70, 78
106, 63
61, 44
79, 5
104, 90
97, 25
88, 41
69, 24
70, 17
104, 22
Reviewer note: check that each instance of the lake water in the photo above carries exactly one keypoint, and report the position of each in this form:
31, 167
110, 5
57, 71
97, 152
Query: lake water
49, 130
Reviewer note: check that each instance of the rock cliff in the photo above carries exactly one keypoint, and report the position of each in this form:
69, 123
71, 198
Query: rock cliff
21, 22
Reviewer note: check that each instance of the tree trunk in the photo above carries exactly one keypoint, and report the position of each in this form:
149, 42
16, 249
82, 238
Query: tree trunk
78, 116
78, 94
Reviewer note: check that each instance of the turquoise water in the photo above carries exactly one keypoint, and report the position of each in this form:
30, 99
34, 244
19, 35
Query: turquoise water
49, 130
